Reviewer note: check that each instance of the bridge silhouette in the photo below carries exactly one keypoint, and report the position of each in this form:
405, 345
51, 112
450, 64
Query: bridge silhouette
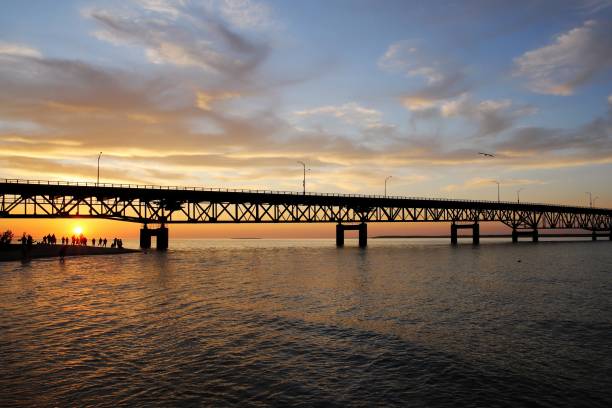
155, 207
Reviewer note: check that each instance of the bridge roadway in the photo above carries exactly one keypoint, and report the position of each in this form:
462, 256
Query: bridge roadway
157, 206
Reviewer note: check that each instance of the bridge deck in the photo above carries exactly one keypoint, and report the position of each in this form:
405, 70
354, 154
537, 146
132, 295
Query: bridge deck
162, 204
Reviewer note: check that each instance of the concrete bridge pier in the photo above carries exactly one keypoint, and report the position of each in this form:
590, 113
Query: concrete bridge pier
162, 238
534, 234
145, 238
160, 233
475, 232
339, 235
363, 233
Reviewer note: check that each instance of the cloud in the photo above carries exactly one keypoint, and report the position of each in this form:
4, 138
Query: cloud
349, 113
574, 59
594, 137
247, 14
443, 79
407, 57
9, 49
436, 92
491, 116
185, 34
541, 147
169, 7
149, 120
478, 182
593, 6
205, 100
81, 108
69, 169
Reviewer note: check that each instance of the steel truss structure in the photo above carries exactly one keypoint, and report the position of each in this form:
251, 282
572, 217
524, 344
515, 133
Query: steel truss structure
167, 205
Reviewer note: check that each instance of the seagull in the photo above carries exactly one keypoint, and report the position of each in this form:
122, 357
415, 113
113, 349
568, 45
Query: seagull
486, 154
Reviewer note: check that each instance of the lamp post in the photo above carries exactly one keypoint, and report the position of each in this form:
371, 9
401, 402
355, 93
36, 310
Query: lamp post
518, 194
591, 199
304, 179
498, 183
386, 179
98, 180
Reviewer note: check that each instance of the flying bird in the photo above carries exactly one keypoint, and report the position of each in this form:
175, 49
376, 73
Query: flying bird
486, 154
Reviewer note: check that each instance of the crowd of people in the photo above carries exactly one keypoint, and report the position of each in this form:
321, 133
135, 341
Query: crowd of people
51, 239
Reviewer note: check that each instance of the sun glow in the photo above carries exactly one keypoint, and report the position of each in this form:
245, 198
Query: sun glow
78, 230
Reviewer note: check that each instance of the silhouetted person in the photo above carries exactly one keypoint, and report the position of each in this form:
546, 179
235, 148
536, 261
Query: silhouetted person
53, 239
93, 242
105, 242
30, 241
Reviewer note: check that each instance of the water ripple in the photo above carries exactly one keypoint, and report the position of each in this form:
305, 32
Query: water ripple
304, 324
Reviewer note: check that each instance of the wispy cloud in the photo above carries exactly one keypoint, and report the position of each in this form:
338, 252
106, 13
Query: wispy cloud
443, 79
479, 182
593, 6
247, 14
575, 58
351, 113
207, 109
8, 49
491, 116
187, 34
407, 57
205, 100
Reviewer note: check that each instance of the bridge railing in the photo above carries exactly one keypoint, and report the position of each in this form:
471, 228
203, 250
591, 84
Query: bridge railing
295, 193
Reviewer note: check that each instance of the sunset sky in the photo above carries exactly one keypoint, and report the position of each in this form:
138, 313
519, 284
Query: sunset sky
233, 93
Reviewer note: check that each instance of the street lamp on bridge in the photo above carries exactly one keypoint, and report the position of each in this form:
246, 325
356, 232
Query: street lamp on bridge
498, 183
518, 194
304, 179
387, 179
98, 180
591, 199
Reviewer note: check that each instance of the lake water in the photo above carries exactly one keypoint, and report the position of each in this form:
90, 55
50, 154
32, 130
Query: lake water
279, 322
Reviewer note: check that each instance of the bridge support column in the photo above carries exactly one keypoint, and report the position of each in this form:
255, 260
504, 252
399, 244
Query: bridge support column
160, 233
610, 234
594, 235
145, 238
363, 235
516, 233
453, 234
361, 228
476, 234
339, 235
162, 238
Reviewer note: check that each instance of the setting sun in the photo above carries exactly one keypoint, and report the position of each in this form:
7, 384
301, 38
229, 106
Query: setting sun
78, 230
